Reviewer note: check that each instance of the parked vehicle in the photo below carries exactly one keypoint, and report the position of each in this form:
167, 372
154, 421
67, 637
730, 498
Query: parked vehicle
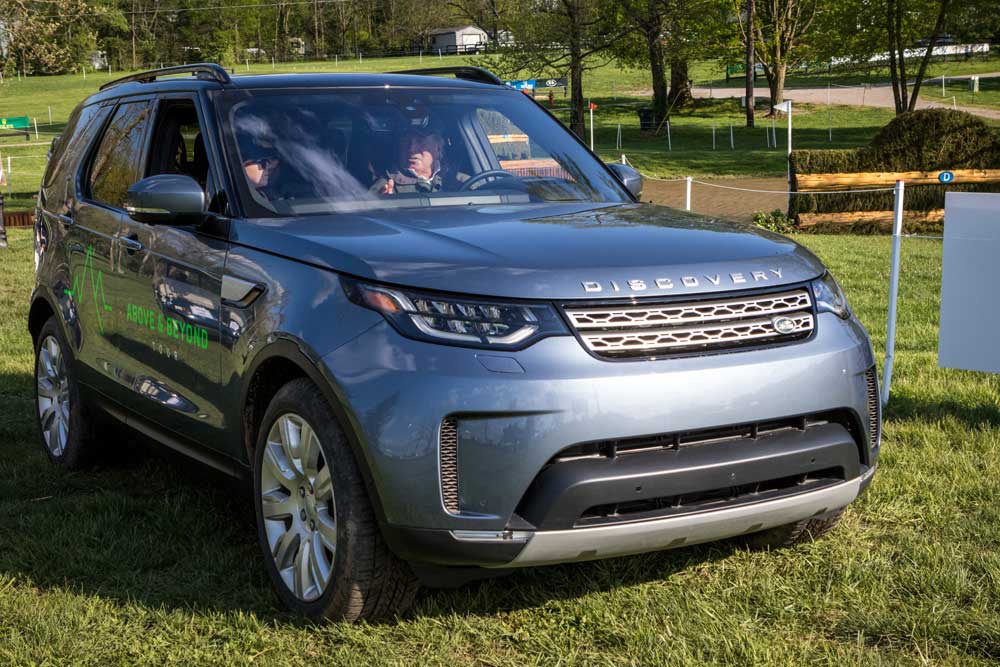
438, 335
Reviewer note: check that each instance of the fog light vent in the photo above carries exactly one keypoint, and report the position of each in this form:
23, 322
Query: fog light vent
874, 408
448, 446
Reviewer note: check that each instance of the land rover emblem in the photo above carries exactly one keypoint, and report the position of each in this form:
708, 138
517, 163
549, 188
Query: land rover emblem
783, 325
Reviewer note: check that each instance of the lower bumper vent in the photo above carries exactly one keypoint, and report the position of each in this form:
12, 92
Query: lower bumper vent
709, 500
448, 446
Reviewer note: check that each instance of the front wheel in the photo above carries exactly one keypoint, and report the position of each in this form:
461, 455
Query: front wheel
317, 528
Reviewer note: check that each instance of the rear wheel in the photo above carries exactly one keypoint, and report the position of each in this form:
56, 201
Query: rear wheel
64, 427
791, 534
317, 528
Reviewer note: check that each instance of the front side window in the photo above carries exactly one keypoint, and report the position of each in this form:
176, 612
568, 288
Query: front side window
113, 169
302, 152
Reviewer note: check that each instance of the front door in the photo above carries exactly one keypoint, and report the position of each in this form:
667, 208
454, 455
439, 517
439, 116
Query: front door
173, 289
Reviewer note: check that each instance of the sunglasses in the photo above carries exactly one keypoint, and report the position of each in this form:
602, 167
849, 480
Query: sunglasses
262, 163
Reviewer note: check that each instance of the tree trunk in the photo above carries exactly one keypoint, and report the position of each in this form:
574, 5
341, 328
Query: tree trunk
576, 114
577, 122
749, 64
680, 84
658, 73
776, 82
938, 27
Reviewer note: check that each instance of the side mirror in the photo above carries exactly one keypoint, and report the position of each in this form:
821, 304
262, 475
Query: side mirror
166, 199
629, 176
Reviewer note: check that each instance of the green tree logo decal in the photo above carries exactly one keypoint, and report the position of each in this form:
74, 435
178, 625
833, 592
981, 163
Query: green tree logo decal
97, 287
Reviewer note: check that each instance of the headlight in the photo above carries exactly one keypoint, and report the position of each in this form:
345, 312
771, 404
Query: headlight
456, 320
829, 297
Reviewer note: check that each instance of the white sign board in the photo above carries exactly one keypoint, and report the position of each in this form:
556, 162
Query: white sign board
970, 293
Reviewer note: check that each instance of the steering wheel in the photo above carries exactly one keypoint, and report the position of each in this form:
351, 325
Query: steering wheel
482, 176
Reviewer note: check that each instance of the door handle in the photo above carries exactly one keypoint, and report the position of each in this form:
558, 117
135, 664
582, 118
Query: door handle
132, 243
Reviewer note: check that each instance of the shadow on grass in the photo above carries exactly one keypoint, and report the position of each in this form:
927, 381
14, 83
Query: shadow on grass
972, 415
147, 526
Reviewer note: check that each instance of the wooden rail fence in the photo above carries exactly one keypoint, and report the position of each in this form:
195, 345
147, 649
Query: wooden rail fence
849, 182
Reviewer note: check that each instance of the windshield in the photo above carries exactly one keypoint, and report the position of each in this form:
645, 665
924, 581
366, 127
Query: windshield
300, 152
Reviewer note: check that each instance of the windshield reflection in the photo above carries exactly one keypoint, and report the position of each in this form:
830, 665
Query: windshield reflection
354, 150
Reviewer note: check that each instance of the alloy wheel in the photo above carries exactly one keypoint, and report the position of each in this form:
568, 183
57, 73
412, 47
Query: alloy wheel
53, 395
297, 503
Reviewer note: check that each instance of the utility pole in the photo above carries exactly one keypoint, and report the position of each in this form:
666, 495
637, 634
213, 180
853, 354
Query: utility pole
750, 64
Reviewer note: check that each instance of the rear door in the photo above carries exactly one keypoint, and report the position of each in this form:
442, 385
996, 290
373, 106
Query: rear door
95, 278
173, 286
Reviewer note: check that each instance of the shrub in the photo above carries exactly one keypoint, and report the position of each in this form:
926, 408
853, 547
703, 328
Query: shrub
775, 221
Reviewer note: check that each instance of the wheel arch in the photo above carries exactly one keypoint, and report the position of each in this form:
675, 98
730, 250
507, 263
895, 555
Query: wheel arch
274, 366
39, 313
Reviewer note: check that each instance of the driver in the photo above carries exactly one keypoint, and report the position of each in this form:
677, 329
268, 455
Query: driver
420, 167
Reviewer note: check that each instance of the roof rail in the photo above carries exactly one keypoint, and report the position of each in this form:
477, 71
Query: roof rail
203, 70
466, 72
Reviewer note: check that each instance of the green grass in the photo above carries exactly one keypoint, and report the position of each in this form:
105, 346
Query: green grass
692, 151
151, 560
988, 95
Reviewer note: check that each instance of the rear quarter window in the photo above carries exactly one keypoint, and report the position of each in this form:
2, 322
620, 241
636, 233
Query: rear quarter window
69, 148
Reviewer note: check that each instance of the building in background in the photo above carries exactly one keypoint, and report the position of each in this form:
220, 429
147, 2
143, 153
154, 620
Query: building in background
467, 39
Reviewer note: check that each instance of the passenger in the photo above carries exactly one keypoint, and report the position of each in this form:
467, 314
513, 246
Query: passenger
420, 168
261, 167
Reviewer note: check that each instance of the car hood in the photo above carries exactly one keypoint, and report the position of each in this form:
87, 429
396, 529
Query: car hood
547, 251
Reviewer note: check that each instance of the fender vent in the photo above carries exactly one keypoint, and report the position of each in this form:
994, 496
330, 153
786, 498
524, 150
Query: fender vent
448, 446
874, 408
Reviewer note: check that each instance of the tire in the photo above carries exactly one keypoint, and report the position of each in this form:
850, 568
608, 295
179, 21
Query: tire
65, 427
316, 526
781, 537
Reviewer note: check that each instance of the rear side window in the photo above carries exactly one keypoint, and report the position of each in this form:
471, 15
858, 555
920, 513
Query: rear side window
113, 169
67, 150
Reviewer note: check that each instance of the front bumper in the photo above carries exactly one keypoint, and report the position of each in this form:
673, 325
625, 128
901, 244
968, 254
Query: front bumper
560, 546
516, 410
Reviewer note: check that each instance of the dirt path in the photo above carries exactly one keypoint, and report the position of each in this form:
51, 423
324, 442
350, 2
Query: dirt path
720, 202
879, 95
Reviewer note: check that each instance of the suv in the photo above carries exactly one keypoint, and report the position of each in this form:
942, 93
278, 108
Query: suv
439, 336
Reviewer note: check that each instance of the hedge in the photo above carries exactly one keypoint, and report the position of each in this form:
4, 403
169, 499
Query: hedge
924, 140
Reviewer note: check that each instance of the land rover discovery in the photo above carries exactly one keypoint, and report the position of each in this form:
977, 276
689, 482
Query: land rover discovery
438, 335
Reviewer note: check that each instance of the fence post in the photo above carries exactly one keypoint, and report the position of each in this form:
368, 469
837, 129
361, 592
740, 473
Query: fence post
890, 333
590, 105
670, 145
687, 193
3, 231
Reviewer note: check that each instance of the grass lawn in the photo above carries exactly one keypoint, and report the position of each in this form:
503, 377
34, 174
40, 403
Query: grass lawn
152, 560
988, 95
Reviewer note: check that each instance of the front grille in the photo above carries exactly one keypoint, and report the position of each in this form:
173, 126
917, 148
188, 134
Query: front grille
664, 328
448, 445
874, 408
649, 508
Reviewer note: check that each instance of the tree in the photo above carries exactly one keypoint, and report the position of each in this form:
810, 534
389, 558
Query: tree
780, 32
646, 20
53, 36
559, 35
669, 33
897, 53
